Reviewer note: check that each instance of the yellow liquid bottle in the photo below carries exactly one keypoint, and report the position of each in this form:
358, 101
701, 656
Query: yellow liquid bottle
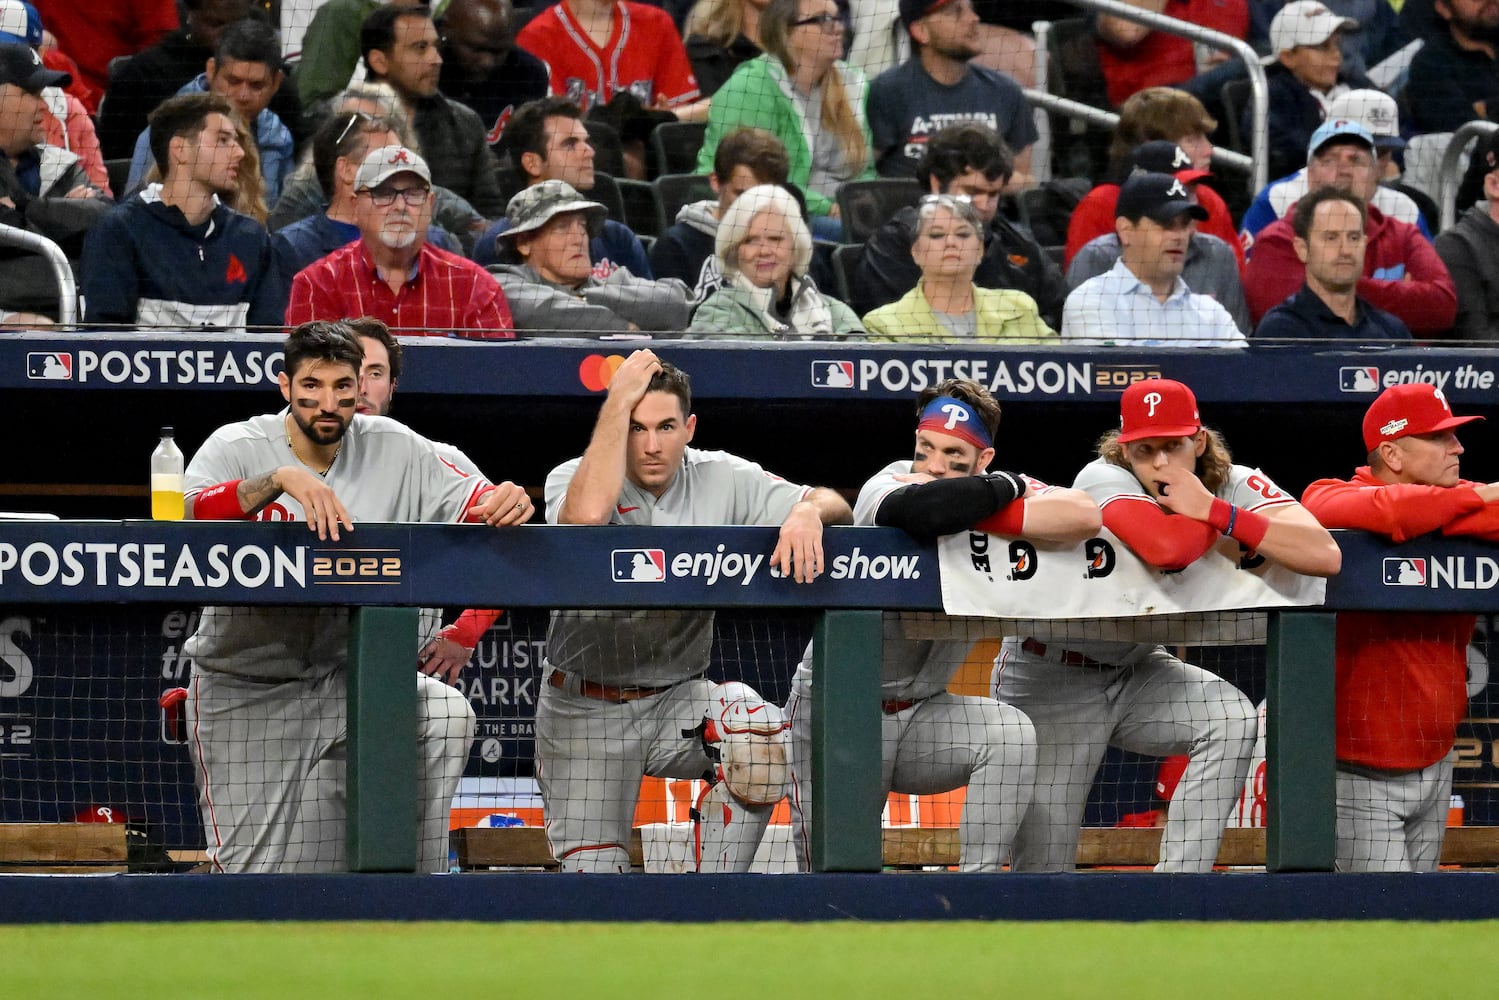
166, 479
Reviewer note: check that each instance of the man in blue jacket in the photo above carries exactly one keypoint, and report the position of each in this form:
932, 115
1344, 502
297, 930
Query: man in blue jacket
174, 255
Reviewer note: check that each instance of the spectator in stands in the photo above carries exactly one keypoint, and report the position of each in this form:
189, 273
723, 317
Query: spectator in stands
173, 254
764, 250
939, 87
245, 69
548, 142
330, 50
1164, 113
1470, 249
597, 49
1094, 215
1133, 56
392, 273
1380, 33
338, 148
1142, 299
1455, 77
303, 195
1211, 267
551, 283
150, 77
97, 32
68, 123
1304, 74
805, 95
399, 42
970, 161
1402, 273
722, 35
43, 189
483, 68
1377, 112
946, 306
1329, 226
745, 158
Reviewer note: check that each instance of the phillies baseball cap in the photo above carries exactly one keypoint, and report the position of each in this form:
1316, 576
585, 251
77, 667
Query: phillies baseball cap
20, 65
1304, 22
1162, 156
1403, 410
19, 22
912, 11
1160, 197
1157, 407
1373, 109
380, 165
1336, 129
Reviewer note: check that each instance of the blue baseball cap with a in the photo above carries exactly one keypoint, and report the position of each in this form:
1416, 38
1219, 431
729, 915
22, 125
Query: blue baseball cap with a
19, 22
1339, 128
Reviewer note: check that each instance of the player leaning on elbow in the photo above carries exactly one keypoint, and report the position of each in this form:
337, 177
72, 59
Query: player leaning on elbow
933, 741
1401, 681
1170, 492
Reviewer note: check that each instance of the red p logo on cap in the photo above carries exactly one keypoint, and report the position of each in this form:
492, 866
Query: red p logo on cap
1157, 407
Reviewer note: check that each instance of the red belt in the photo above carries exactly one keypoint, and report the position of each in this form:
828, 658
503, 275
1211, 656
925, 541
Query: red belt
603, 692
1070, 657
892, 705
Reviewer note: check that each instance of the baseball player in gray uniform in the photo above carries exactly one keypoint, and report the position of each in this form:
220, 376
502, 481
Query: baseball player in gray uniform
934, 741
623, 693
266, 705
1170, 491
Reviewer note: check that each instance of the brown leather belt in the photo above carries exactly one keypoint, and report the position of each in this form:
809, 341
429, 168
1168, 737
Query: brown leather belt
603, 692
1070, 657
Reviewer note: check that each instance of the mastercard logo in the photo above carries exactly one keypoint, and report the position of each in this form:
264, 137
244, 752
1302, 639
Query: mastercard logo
597, 371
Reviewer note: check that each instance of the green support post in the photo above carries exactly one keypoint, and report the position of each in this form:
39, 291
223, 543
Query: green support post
846, 806
1301, 825
382, 765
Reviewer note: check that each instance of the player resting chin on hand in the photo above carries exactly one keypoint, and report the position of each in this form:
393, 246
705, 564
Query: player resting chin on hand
1169, 490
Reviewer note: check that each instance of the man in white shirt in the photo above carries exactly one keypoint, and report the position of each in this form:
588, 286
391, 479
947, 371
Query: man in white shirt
1142, 300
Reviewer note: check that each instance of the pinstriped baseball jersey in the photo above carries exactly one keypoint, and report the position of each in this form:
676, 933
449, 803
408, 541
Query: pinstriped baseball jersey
657, 648
384, 471
644, 56
444, 293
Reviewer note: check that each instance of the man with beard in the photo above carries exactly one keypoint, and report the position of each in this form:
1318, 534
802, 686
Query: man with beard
266, 705
392, 273
1455, 76
174, 254
939, 87
1329, 226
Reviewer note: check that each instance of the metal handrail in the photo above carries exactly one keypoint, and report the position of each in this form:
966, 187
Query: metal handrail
1447, 184
1257, 163
21, 239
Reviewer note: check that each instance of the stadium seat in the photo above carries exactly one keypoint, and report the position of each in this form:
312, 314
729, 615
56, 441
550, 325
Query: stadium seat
675, 146
642, 209
865, 205
607, 193
845, 263
675, 190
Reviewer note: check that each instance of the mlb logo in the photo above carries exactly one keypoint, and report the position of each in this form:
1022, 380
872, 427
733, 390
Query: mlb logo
1404, 572
639, 565
50, 366
832, 374
1356, 379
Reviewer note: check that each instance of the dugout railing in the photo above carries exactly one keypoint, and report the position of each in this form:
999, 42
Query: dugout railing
84, 563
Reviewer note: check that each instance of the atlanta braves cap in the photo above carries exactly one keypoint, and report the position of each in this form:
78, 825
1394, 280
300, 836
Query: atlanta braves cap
1160, 197
20, 65
1162, 156
912, 11
1157, 407
1403, 410
380, 165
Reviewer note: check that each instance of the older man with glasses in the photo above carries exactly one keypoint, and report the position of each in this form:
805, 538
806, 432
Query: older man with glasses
391, 272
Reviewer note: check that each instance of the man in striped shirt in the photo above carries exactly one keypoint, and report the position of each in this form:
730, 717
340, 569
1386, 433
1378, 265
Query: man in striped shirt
391, 273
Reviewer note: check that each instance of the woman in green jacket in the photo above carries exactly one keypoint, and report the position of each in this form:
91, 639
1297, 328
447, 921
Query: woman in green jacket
764, 249
802, 93
946, 306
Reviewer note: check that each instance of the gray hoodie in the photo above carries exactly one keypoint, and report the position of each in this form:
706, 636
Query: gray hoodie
543, 308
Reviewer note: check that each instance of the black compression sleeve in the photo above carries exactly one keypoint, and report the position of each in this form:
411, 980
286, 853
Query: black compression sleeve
945, 506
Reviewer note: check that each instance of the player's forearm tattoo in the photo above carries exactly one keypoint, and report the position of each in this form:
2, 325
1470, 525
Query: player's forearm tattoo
255, 493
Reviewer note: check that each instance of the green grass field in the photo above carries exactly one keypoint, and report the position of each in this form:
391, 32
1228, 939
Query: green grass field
468, 961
